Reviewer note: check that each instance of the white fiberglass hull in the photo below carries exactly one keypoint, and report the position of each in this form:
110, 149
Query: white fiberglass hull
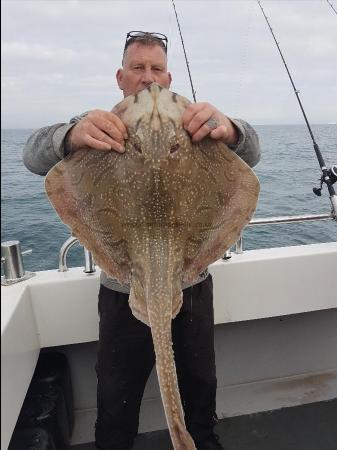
261, 364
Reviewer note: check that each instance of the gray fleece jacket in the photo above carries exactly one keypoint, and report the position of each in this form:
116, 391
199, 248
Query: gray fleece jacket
45, 148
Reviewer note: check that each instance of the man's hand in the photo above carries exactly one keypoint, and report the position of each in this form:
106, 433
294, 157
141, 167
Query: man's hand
99, 130
202, 119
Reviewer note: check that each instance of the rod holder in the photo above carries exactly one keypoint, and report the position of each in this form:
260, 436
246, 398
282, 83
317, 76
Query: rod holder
11, 258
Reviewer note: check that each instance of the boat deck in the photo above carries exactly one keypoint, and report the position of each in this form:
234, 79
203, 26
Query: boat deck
306, 427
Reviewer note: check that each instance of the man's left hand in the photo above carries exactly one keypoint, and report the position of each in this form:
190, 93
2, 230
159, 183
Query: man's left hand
202, 119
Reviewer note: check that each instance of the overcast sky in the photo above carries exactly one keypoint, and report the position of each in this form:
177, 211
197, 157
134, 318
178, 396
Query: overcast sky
59, 58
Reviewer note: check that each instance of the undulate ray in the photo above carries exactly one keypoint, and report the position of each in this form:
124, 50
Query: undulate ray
155, 216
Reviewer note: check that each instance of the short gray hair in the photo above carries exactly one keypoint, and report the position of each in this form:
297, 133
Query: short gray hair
147, 39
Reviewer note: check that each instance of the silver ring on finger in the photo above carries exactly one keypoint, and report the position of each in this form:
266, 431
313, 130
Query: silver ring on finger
212, 123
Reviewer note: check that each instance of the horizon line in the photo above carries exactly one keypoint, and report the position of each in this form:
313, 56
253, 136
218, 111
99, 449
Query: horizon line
251, 123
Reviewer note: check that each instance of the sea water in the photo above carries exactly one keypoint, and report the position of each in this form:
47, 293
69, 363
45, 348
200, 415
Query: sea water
288, 171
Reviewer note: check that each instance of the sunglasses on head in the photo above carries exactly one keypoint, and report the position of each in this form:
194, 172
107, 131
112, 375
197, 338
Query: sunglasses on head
134, 36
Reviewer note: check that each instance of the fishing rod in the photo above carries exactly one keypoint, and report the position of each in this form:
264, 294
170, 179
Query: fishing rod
332, 6
329, 176
182, 41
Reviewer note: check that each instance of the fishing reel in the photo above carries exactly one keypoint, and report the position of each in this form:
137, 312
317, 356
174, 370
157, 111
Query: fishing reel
332, 172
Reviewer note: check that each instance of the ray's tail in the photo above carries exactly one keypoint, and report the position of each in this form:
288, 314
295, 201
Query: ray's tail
155, 298
166, 371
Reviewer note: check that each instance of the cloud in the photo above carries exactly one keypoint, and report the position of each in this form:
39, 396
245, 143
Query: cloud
30, 52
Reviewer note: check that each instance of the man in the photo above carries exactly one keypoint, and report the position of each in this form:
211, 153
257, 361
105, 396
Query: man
125, 352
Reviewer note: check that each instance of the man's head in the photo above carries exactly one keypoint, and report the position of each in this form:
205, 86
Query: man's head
144, 62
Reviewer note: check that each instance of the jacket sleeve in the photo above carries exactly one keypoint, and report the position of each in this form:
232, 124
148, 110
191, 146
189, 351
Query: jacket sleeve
248, 147
45, 147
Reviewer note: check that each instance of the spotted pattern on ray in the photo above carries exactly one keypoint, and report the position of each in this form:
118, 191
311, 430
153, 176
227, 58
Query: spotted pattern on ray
155, 216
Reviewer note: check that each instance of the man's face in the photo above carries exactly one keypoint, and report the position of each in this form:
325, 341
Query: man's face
143, 65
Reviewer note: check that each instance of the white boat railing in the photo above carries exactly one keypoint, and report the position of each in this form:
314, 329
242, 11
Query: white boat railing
90, 266
278, 220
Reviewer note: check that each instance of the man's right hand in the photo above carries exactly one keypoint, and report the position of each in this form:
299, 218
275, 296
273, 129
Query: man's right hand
99, 130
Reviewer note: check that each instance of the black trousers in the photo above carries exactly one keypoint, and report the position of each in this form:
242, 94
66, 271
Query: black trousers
126, 358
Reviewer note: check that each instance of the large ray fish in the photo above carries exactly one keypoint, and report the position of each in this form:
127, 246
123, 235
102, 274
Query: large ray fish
156, 216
